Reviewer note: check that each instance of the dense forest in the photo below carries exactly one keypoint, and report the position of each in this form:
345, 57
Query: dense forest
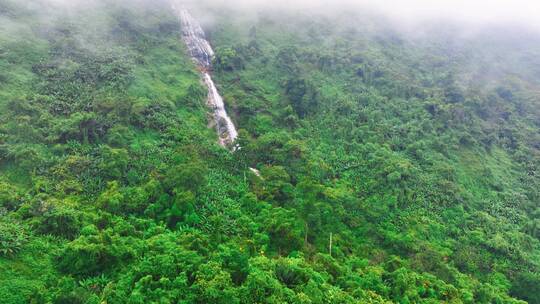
374, 165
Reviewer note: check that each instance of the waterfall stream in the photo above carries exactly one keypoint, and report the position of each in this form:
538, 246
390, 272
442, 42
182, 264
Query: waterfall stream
202, 53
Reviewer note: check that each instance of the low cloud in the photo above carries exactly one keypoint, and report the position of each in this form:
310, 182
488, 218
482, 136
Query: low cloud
525, 13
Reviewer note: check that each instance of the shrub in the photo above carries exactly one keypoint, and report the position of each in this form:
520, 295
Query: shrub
9, 198
59, 221
12, 237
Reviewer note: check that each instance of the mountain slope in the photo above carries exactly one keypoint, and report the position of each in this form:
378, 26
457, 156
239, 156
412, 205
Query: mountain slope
418, 159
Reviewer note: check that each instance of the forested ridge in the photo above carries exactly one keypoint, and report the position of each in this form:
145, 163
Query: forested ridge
395, 166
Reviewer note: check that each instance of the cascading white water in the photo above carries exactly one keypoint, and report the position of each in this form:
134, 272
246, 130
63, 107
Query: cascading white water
202, 53
225, 127
195, 39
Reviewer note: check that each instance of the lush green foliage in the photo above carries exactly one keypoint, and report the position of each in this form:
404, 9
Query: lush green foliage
419, 158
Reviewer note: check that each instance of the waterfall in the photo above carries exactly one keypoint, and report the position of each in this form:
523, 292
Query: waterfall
202, 53
224, 125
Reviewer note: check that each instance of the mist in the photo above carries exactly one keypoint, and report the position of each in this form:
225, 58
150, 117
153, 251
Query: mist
409, 13
405, 14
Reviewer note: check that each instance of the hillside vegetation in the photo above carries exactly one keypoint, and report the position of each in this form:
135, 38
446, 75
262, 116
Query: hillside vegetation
395, 167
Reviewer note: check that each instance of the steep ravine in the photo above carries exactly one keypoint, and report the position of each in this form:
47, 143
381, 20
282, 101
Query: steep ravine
201, 52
